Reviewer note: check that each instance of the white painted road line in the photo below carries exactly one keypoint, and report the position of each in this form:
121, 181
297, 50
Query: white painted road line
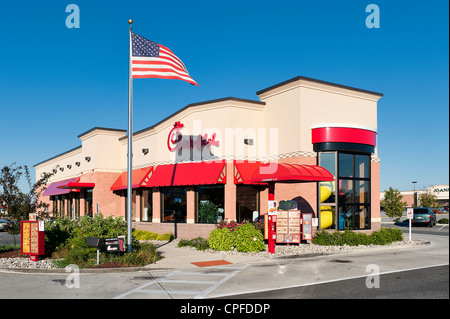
327, 281
207, 291
174, 291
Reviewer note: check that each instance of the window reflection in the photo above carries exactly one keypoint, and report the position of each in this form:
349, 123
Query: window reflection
328, 192
348, 195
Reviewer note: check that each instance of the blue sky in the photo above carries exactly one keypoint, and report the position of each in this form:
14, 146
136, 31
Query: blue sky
56, 82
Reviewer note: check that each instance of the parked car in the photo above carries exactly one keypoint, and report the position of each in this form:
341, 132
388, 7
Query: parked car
424, 216
4, 224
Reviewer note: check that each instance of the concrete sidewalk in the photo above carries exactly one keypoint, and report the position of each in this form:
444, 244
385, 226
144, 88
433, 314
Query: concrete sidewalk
183, 258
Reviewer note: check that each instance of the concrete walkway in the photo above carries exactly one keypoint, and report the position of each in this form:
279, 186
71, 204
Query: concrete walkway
183, 258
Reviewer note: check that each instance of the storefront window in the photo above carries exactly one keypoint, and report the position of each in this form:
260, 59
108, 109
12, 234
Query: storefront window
354, 191
345, 165
361, 166
147, 205
247, 202
327, 191
62, 207
133, 205
173, 208
210, 204
346, 191
88, 203
55, 206
352, 177
74, 205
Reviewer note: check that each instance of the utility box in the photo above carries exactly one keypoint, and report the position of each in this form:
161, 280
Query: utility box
32, 239
115, 244
95, 242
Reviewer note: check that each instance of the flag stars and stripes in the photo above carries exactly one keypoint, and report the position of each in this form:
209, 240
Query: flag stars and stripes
152, 60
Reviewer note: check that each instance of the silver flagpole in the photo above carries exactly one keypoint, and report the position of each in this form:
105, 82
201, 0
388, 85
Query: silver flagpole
130, 152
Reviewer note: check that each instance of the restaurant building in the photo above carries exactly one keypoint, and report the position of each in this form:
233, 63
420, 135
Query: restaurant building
313, 141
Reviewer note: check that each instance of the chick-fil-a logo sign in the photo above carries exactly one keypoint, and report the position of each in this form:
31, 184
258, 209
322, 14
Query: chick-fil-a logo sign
175, 139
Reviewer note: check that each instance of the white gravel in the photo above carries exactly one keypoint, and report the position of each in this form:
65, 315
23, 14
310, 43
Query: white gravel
26, 263
307, 249
280, 251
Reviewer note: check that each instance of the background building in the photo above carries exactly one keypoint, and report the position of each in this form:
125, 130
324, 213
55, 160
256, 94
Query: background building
440, 191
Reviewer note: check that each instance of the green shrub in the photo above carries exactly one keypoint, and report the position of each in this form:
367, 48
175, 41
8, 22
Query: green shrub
198, 243
144, 255
9, 247
384, 236
166, 236
99, 226
140, 234
443, 221
248, 238
242, 236
66, 240
221, 239
57, 233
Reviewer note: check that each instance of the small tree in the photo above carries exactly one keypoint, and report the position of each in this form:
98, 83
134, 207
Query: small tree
428, 200
20, 205
392, 203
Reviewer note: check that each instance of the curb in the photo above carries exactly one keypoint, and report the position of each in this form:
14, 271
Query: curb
63, 270
415, 244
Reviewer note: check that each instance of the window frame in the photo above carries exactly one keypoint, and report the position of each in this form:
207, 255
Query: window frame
352, 204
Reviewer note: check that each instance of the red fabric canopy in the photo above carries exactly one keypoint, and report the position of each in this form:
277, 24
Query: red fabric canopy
54, 188
243, 171
139, 178
281, 172
182, 174
77, 185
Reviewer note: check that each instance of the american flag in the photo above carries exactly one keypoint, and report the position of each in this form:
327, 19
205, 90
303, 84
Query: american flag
153, 60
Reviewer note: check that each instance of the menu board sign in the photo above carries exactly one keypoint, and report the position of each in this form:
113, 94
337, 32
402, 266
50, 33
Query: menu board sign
307, 226
25, 243
32, 238
288, 226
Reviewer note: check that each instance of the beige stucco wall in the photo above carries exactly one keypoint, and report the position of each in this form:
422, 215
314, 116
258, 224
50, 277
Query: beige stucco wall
297, 107
230, 120
101, 145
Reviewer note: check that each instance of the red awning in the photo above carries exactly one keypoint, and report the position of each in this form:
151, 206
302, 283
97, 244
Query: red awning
281, 172
243, 171
54, 188
77, 185
183, 174
139, 178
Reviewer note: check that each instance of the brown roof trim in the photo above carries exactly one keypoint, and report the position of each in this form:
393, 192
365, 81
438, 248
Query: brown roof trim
192, 105
317, 81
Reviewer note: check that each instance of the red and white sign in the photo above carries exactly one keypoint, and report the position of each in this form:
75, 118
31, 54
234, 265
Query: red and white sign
410, 213
175, 139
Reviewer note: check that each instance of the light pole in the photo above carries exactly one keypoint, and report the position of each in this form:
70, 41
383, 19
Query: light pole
414, 193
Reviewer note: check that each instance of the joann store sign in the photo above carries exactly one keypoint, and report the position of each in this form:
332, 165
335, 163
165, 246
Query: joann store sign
440, 191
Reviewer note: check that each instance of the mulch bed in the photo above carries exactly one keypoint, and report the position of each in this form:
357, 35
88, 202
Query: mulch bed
11, 254
108, 265
16, 253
